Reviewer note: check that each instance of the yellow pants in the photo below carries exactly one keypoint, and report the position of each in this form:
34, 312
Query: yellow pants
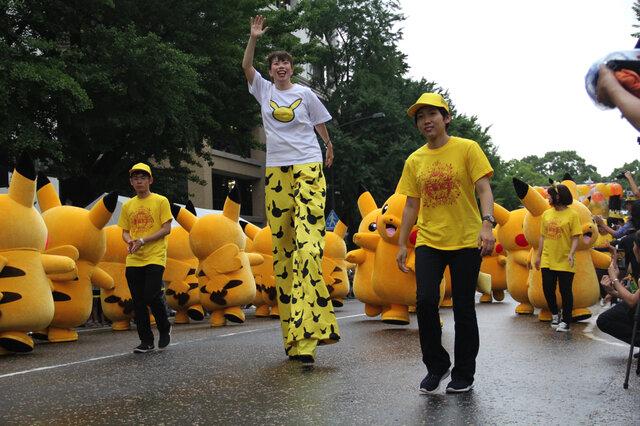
295, 197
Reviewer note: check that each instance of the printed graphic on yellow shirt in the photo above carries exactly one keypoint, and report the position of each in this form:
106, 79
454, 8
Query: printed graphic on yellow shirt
440, 187
554, 230
285, 114
141, 221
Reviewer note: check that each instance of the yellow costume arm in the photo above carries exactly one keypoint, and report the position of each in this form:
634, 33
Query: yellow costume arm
600, 260
255, 259
502, 260
367, 241
100, 278
520, 257
356, 256
60, 268
484, 283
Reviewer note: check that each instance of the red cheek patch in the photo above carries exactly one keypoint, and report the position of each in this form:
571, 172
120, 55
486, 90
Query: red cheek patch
521, 240
413, 237
499, 248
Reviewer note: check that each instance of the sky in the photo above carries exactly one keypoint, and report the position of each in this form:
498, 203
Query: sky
519, 66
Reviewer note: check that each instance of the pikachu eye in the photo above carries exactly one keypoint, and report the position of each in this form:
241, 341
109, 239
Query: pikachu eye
385, 208
373, 227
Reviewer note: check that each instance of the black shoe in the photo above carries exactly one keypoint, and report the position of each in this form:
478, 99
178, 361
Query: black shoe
165, 338
143, 348
306, 359
458, 386
431, 383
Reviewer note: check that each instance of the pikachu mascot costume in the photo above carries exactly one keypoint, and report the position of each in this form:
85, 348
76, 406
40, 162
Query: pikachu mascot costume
224, 269
263, 273
364, 257
182, 287
74, 227
495, 266
389, 282
26, 301
334, 264
585, 289
117, 304
512, 239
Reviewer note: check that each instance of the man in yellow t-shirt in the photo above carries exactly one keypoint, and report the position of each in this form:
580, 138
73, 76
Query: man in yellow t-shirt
440, 180
146, 222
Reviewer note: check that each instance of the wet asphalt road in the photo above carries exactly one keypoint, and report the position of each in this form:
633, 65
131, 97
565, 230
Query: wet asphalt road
238, 374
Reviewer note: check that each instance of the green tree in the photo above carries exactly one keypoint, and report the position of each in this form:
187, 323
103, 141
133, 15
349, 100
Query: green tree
91, 87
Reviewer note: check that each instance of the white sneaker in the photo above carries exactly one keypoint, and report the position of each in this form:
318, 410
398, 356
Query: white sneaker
564, 327
555, 320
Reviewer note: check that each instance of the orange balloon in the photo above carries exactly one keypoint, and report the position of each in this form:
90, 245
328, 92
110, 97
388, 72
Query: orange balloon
597, 196
615, 189
604, 189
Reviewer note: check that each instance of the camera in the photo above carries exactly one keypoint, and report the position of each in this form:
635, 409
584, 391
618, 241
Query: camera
621, 175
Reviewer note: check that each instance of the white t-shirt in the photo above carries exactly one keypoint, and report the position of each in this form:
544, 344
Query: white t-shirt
289, 117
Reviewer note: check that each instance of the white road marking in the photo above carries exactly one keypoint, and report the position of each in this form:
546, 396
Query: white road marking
84, 361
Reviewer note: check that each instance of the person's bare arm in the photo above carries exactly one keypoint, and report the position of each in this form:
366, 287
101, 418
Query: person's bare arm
486, 240
256, 32
324, 134
610, 92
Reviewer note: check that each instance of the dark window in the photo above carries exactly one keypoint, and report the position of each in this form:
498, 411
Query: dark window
283, 3
222, 184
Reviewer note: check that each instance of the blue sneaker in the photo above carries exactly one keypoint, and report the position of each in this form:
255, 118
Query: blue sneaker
431, 383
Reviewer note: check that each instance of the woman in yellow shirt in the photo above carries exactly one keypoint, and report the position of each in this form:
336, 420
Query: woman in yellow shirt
559, 233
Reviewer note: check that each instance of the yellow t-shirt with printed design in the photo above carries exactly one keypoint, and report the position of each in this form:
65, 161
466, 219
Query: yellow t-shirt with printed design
558, 227
444, 181
142, 217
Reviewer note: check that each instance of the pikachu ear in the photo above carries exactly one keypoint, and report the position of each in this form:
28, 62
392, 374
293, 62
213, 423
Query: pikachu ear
366, 203
340, 229
22, 188
47, 195
531, 199
231, 207
273, 105
249, 229
295, 104
501, 214
184, 217
100, 214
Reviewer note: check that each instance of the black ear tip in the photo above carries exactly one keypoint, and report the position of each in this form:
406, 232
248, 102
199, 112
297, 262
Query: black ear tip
234, 195
26, 167
175, 210
43, 180
110, 201
190, 207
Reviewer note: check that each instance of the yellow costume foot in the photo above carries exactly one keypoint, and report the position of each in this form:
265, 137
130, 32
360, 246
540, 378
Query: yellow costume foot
196, 312
524, 309
121, 325
337, 302
372, 310
580, 314
498, 295
544, 315
62, 335
397, 314
234, 314
275, 312
262, 311
446, 302
16, 341
41, 334
181, 318
412, 309
486, 298
217, 318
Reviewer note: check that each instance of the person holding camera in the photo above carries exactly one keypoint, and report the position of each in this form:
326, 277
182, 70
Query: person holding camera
618, 320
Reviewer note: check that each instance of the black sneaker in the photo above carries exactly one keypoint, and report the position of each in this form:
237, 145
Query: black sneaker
458, 386
165, 338
431, 383
143, 348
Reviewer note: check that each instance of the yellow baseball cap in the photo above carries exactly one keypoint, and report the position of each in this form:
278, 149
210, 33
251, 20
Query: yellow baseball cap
141, 167
432, 99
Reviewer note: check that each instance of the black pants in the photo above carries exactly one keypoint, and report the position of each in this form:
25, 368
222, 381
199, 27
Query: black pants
464, 265
565, 281
618, 322
145, 284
